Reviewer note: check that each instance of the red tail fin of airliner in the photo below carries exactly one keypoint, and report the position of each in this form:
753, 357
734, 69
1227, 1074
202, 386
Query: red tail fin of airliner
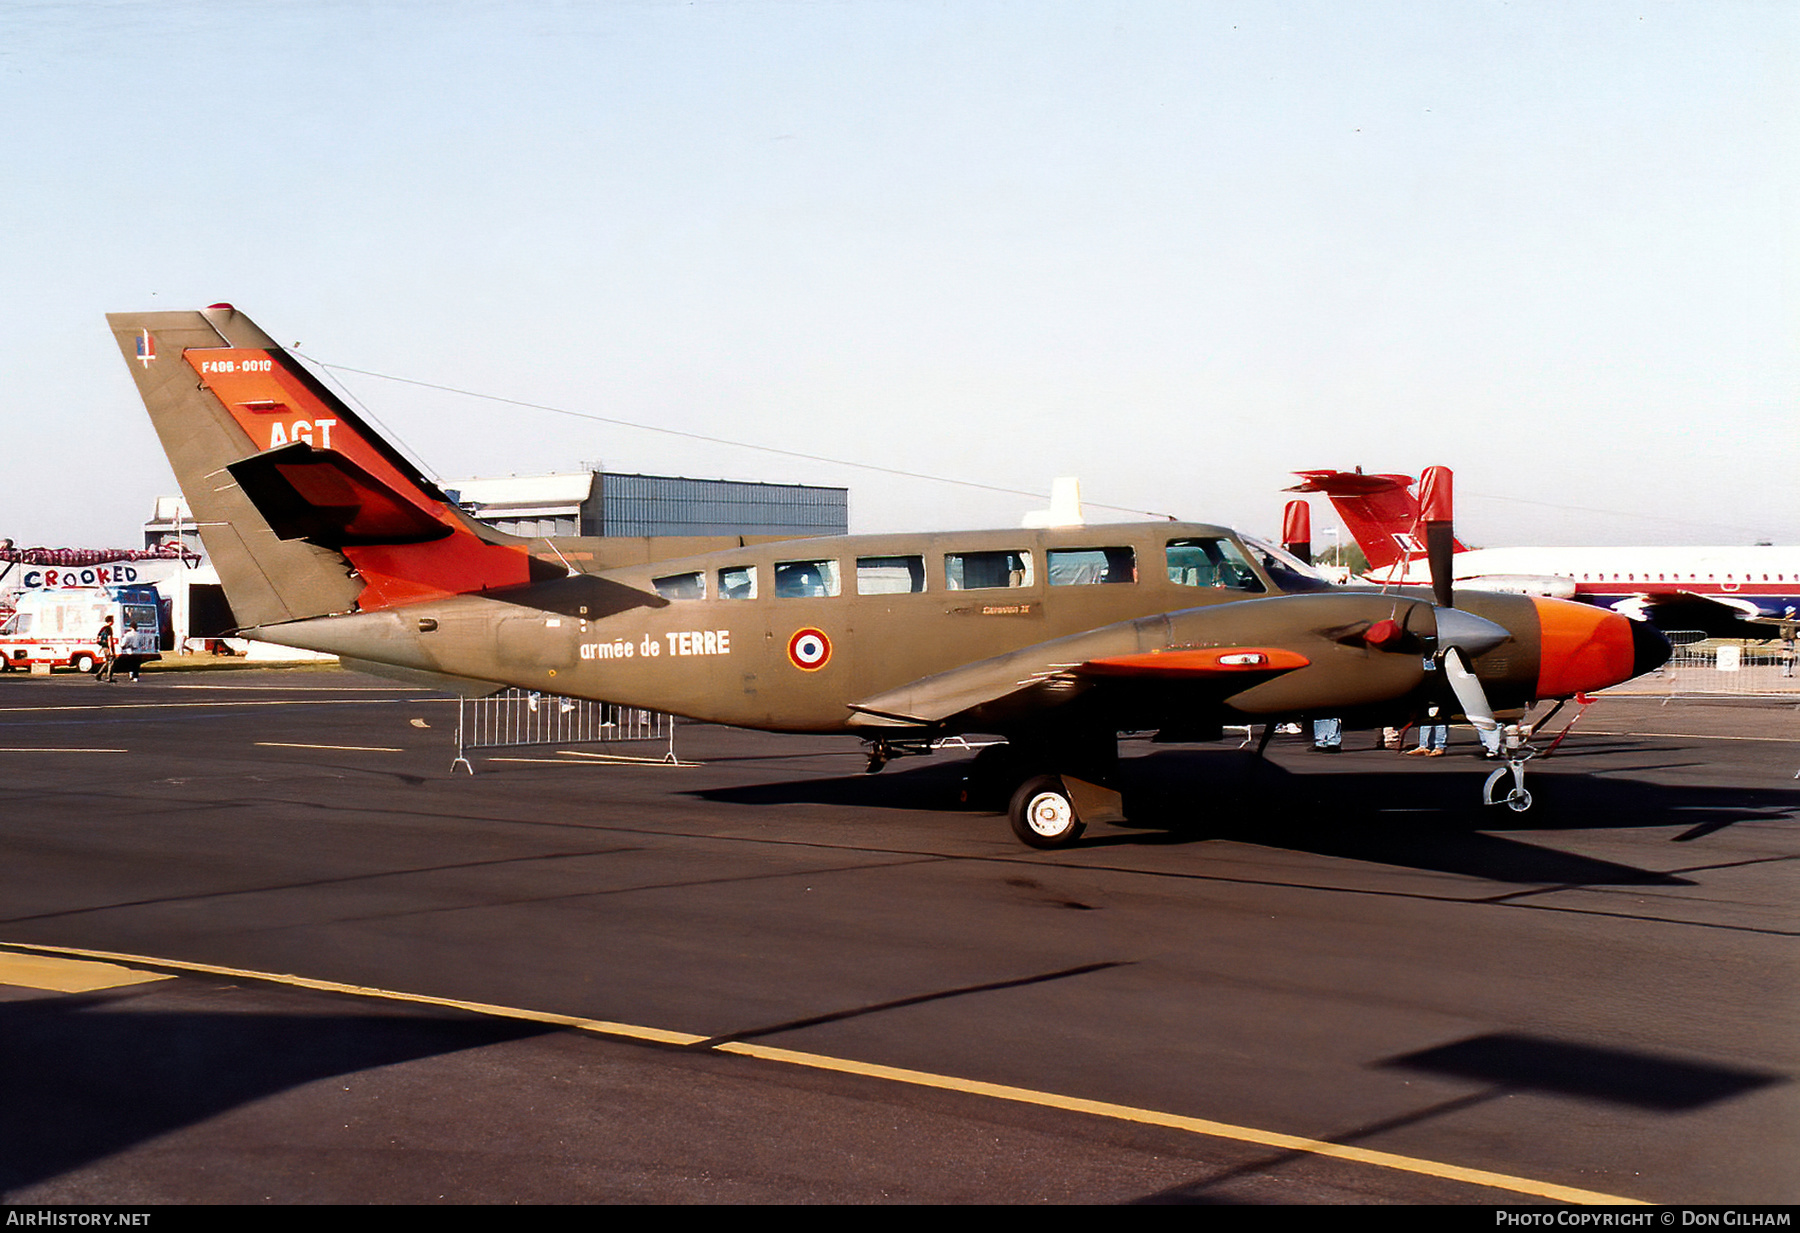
1380, 510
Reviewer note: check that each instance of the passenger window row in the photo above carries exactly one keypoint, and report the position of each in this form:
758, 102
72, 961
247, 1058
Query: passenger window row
1197, 562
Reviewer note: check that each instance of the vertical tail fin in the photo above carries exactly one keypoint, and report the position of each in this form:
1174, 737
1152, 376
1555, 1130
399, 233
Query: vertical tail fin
1380, 510
303, 508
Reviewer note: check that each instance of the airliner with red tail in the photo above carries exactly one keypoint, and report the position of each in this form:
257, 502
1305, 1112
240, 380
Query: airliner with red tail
1727, 592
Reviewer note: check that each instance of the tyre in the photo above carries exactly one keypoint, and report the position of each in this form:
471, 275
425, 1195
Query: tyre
82, 663
1042, 814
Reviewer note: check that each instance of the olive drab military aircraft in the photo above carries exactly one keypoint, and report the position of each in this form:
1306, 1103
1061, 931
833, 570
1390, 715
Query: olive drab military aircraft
1056, 639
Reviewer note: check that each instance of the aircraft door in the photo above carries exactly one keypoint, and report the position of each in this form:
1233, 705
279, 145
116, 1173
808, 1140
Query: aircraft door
536, 641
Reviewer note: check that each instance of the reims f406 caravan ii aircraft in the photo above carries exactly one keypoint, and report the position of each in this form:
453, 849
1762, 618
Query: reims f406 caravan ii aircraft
326, 538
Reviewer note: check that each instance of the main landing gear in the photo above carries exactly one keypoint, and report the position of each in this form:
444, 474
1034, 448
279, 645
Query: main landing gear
1042, 813
1050, 789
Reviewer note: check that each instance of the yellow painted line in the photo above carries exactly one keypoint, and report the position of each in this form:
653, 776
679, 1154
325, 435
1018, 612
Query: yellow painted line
581, 759
1696, 736
1176, 1121
611, 757
355, 748
69, 975
320, 689
172, 706
601, 1026
917, 1078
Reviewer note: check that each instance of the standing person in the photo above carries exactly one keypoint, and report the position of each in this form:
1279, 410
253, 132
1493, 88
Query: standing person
139, 648
1432, 737
109, 650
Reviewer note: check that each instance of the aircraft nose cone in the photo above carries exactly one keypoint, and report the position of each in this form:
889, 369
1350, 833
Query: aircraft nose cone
1582, 648
1649, 649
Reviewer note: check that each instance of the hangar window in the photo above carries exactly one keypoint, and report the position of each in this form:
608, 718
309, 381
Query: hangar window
890, 575
974, 571
1211, 563
737, 582
1069, 567
805, 579
681, 586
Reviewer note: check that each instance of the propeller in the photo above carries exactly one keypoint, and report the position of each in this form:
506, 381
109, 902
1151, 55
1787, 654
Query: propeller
1460, 634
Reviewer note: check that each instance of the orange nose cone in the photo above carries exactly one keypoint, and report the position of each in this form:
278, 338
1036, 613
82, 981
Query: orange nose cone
1583, 648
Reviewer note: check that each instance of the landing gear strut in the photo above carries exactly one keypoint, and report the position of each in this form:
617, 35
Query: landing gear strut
1517, 753
1051, 788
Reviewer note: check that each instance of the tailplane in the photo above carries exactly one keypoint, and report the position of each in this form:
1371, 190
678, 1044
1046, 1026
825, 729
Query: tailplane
303, 508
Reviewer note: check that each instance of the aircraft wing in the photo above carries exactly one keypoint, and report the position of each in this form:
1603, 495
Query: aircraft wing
991, 689
1681, 609
1173, 668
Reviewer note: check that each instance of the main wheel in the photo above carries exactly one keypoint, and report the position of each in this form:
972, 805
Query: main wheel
1042, 815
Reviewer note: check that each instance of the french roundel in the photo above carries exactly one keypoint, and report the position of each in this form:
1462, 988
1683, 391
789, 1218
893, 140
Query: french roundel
810, 650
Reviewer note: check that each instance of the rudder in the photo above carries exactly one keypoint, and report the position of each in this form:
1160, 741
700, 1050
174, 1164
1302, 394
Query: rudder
304, 510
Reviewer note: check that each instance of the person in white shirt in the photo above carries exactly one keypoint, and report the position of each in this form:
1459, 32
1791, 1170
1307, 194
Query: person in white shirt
137, 646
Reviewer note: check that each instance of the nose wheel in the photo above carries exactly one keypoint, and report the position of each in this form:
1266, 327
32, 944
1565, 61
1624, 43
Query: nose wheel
1515, 798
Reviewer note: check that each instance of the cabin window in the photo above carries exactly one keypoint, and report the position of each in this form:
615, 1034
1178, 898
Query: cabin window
890, 575
976, 571
1070, 567
1211, 563
681, 586
737, 582
805, 579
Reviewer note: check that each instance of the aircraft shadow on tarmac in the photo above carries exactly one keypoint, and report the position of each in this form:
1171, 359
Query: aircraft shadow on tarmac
1409, 815
1508, 1063
84, 1077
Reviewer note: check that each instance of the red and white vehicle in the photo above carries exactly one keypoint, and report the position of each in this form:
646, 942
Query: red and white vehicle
56, 626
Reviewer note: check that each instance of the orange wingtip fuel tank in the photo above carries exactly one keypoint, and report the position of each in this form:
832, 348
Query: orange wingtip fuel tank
1211, 661
1582, 648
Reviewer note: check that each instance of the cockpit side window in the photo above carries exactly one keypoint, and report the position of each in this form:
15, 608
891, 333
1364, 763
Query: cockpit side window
1211, 562
681, 586
1286, 571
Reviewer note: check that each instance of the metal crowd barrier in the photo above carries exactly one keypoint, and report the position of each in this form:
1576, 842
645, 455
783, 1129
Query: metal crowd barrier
517, 717
1700, 667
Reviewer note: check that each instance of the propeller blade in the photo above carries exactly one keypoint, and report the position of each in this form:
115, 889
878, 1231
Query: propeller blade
1472, 698
1435, 510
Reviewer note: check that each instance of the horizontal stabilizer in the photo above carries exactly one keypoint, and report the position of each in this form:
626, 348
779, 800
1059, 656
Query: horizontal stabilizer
324, 498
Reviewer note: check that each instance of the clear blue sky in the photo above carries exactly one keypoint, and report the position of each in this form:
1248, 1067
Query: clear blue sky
1177, 249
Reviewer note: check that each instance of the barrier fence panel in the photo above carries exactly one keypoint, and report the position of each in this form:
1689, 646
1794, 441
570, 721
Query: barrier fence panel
517, 717
1699, 666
